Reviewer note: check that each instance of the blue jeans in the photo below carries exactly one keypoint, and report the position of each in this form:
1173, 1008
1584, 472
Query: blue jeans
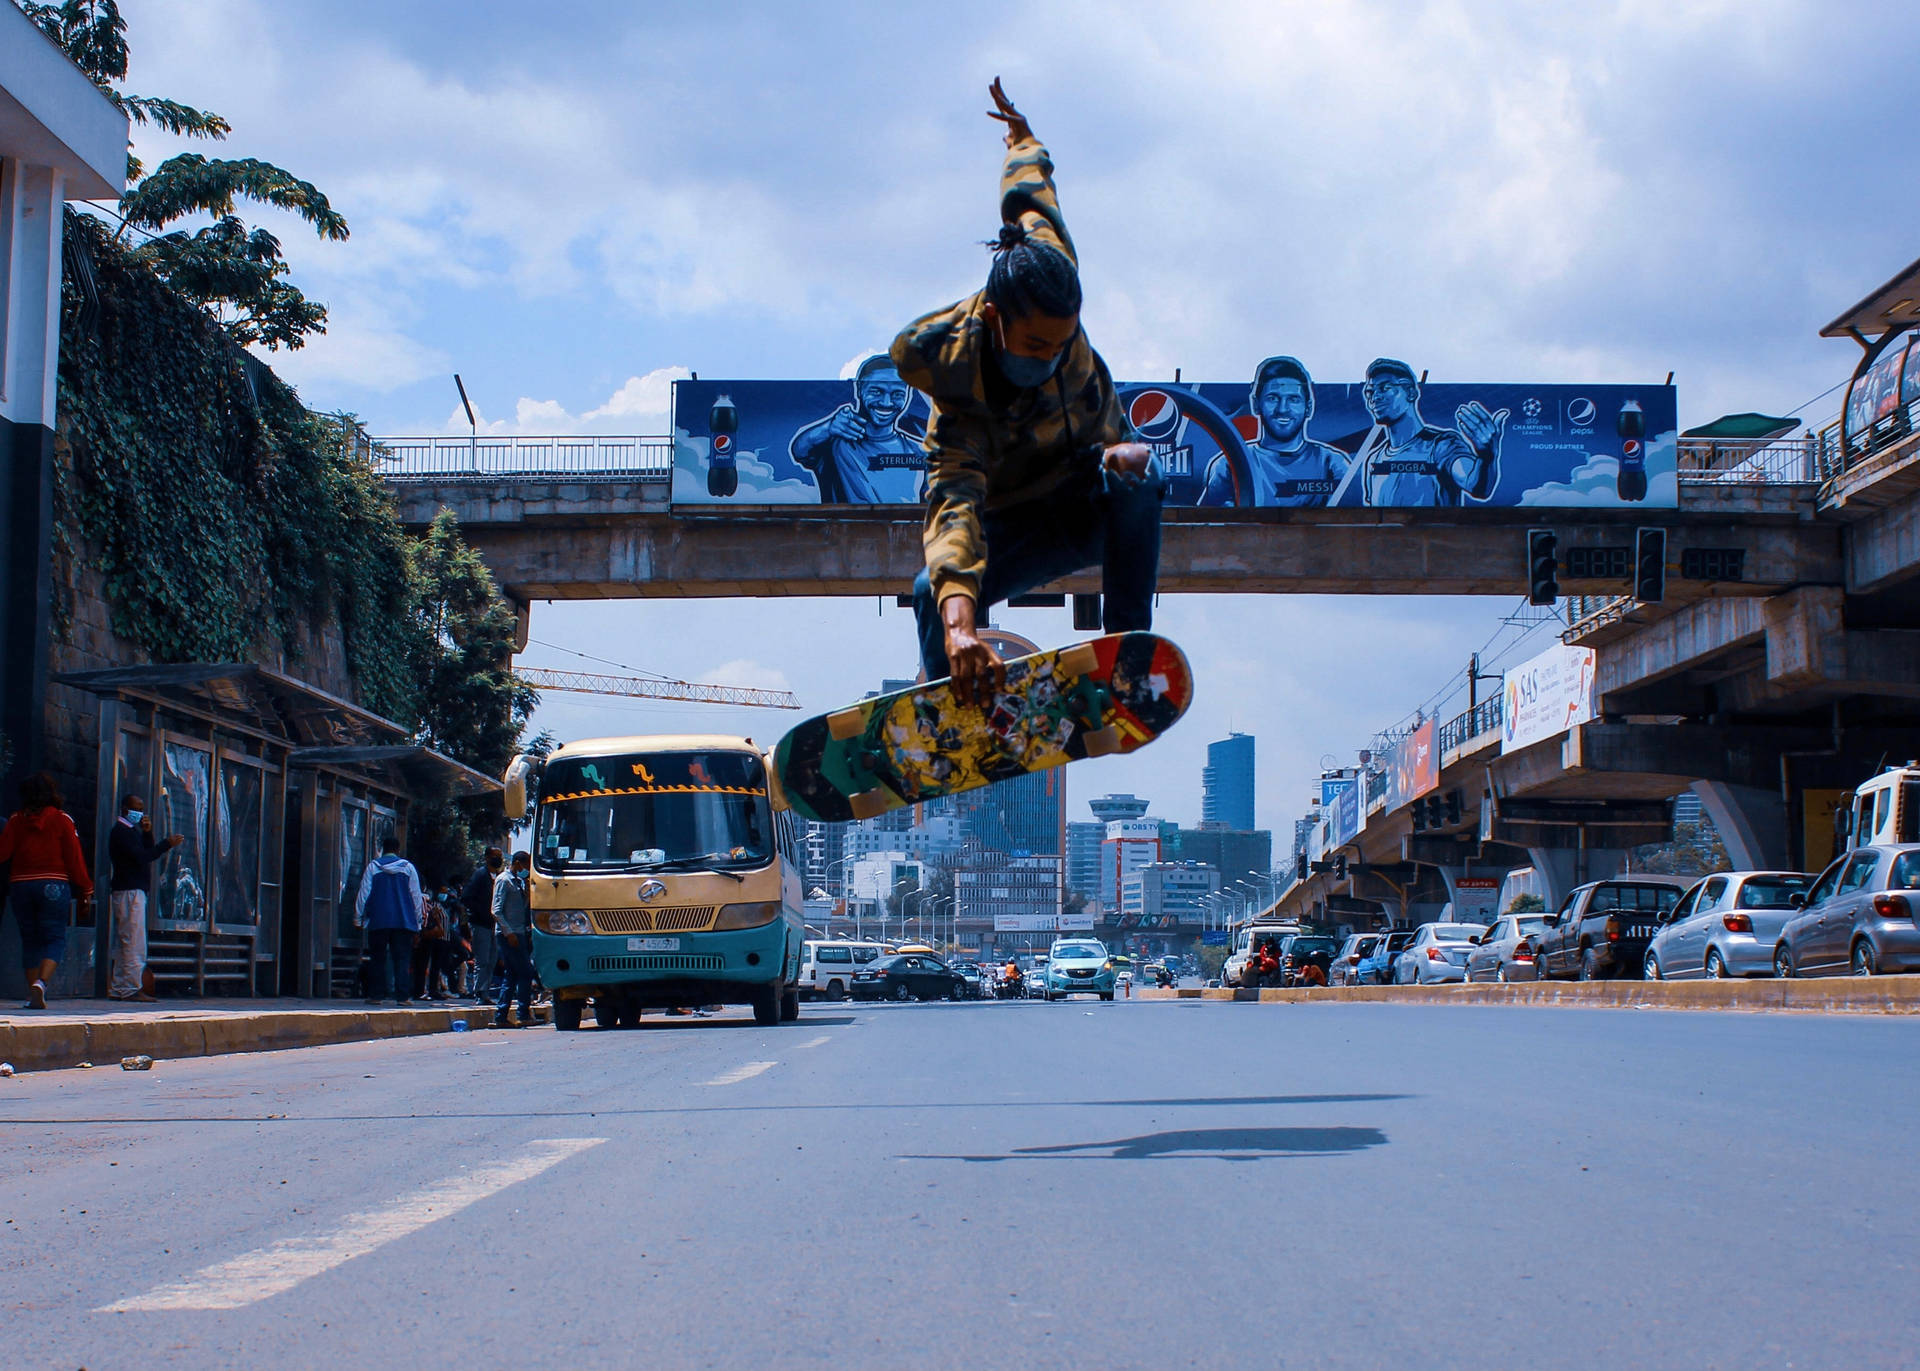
42, 909
519, 978
1031, 544
391, 975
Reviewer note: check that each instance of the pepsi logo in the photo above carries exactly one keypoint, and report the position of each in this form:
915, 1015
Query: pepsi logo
1631, 447
1581, 413
1155, 415
722, 444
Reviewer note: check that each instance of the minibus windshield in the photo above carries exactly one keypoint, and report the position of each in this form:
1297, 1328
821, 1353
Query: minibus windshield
673, 811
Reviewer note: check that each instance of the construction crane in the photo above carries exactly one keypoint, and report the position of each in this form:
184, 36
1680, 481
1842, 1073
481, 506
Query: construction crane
653, 688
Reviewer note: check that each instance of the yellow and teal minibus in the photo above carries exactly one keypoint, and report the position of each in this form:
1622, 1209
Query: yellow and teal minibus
666, 874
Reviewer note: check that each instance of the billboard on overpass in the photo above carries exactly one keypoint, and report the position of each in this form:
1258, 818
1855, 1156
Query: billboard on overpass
1546, 695
1282, 441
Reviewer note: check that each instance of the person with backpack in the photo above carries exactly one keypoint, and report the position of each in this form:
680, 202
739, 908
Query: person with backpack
389, 908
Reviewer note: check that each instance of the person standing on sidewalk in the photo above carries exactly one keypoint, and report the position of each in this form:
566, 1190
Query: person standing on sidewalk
389, 908
131, 850
513, 924
478, 901
48, 873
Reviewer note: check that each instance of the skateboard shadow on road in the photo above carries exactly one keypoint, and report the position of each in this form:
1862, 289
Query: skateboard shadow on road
1204, 1144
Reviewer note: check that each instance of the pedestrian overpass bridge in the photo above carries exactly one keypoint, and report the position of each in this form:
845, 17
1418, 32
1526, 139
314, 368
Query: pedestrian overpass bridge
589, 517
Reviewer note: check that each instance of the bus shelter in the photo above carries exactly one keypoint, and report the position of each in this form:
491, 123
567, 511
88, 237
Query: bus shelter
282, 793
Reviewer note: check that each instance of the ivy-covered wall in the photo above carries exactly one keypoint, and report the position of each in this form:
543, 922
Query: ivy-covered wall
222, 520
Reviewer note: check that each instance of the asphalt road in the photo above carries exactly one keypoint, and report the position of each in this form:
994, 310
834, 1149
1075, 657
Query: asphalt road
1078, 1184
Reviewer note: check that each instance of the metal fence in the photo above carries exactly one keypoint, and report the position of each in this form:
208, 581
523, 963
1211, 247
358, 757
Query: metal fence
1791, 461
589, 457
1484, 718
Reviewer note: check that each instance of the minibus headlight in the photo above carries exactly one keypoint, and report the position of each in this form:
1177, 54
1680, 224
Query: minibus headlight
751, 915
562, 921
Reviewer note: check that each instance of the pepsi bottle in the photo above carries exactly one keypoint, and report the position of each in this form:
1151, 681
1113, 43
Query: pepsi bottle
723, 424
1631, 484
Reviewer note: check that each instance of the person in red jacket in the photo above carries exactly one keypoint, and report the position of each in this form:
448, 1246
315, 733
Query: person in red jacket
47, 874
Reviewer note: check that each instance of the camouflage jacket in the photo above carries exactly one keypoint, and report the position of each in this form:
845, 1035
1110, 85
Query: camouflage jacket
980, 457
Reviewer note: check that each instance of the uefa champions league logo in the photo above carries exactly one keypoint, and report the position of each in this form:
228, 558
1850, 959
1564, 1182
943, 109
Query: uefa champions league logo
1531, 409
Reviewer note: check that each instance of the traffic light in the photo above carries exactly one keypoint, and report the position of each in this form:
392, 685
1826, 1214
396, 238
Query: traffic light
1340, 866
1543, 569
1650, 565
1455, 809
1300, 866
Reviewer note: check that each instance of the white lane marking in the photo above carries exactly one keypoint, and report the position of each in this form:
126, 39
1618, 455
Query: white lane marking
745, 1072
268, 1271
820, 1041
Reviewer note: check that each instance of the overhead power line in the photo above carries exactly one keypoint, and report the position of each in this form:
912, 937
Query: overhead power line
644, 688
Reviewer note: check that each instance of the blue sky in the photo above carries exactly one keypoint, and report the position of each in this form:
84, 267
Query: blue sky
569, 205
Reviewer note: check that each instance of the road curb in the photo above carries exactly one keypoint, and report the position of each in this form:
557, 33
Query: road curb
63, 1043
1826, 995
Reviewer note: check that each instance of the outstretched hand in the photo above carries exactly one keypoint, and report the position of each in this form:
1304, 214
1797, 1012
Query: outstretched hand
1018, 130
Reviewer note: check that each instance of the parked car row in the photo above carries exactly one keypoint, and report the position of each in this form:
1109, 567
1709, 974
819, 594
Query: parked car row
1858, 916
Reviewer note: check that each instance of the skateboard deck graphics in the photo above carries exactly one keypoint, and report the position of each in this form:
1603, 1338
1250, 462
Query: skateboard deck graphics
1113, 694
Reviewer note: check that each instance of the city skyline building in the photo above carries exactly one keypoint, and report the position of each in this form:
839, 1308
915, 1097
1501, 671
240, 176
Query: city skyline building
1010, 902
1168, 896
1227, 783
1083, 858
1129, 845
1107, 808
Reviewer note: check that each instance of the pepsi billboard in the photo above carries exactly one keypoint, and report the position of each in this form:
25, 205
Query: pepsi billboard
1282, 440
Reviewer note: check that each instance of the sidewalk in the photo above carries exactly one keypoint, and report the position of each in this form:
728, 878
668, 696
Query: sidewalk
69, 1032
1822, 994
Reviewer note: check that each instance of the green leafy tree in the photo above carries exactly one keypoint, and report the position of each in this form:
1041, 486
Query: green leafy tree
1526, 904
471, 705
235, 272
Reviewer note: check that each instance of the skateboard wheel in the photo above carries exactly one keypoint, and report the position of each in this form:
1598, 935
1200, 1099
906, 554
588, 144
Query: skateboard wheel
846, 724
1079, 660
1101, 742
868, 804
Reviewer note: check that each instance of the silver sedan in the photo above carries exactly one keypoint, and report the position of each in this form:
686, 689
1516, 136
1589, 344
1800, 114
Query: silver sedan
1346, 966
1505, 951
1437, 953
1726, 925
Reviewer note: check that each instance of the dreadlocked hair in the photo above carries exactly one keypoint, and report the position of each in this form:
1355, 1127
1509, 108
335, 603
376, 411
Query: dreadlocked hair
1029, 278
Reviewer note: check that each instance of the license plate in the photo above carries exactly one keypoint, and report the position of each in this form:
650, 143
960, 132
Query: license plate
653, 944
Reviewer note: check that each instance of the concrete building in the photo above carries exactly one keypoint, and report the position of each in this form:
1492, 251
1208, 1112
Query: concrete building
1238, 855
1010, 903
871, 880
1167, 896
60, 139
1129, 845
1226, 783
1107, 808
1025, 816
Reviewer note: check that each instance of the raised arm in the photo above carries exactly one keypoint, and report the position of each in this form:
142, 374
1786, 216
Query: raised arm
1027, 195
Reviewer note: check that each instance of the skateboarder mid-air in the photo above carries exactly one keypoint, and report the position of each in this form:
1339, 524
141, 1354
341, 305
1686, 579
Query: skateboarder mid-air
1031, 471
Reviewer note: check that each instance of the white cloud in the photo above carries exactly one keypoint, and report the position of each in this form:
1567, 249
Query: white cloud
642, 399
744, 672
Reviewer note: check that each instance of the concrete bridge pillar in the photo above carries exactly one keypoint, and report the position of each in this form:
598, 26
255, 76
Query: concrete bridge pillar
1563, 868
1752, 823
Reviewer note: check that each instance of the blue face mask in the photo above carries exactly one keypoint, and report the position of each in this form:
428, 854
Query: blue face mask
134, 816
1028, 373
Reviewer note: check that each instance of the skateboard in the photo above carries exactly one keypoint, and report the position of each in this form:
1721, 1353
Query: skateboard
1111, 695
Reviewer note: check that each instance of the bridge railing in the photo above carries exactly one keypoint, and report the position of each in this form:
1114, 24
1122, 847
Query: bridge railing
605, 457
1745, 461
1484, 718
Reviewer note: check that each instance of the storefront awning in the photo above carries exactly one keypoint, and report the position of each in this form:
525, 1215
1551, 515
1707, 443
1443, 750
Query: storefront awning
422, 768
263, 699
